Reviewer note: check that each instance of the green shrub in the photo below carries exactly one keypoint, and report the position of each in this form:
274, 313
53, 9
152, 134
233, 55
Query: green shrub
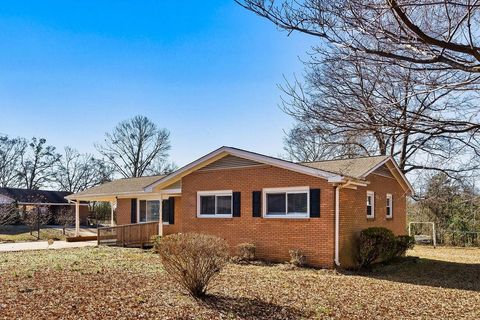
297, 258
375, 244
246, 251
380, 244
402, 244
193, 260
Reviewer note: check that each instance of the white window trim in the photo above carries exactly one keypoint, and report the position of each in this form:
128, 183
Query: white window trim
372, 194
149, 199
390, 196
215, 193
286, 190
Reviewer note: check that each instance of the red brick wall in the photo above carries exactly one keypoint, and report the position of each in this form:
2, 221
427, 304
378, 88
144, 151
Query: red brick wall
353, 213
275, 237
272, 237
176, 227
123, 211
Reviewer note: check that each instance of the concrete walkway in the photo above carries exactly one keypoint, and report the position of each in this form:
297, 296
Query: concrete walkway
43, 245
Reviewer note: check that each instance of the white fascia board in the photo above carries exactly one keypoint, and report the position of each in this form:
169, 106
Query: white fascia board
381, 163
178, 172
48, 204
390, 158
246, 155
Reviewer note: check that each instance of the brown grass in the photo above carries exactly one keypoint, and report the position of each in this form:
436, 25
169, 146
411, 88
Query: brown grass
22, 234
113, 283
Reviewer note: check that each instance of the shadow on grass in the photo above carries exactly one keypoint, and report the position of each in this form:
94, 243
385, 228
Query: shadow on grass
246, 308
14, 229
427, 272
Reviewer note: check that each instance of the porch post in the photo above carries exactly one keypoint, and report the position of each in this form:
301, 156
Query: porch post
77, 218
160, 220
112, 222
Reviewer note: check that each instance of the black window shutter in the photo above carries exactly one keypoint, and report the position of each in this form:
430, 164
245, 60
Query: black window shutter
257, 203
314, 203
133, 210
165, 211
171, 210
236, 204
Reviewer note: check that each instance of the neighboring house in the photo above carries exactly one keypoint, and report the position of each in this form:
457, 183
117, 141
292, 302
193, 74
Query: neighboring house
24, 199
241, 196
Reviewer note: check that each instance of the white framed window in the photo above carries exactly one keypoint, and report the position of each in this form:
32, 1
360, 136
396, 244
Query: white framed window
370, 204
214, 204
148, 210
286, 202
389, 205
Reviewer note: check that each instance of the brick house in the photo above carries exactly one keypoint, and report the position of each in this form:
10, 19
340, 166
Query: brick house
241, 196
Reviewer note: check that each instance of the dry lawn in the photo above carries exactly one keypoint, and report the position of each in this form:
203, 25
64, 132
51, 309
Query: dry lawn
21, 233
114, 283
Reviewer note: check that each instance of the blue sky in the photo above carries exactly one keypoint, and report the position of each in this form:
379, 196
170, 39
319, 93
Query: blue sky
206, 70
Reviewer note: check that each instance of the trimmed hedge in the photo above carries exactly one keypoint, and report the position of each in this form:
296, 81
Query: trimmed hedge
380, 244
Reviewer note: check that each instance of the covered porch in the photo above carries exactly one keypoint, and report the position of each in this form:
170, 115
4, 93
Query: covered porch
137, 212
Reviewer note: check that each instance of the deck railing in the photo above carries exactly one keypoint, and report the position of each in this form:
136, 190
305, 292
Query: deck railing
128, 235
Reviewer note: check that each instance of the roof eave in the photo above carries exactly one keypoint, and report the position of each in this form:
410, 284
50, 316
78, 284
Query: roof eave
224, 151
410, 190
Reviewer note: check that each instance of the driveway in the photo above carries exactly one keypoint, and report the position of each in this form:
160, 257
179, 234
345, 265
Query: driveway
43, 245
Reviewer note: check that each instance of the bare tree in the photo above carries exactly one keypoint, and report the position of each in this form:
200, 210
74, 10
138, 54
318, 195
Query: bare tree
66, 218
11, 151
75, 172
161, 167
351, 107
135, 146
37, 163
429, 34
36, 216
304, 143
8, 214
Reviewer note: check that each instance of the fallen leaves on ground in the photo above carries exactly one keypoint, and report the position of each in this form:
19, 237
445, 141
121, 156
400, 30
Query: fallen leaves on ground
117, 283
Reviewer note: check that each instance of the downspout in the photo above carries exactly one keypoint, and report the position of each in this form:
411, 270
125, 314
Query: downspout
337, 225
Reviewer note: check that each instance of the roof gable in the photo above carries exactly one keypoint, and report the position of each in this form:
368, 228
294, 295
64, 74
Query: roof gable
230, 162
238, 153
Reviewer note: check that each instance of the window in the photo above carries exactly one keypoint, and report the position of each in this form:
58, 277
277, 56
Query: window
286, 202
148, 210
389, 205
370, 204
214, 204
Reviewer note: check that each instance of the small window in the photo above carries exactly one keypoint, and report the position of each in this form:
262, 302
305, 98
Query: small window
148, 210
286, 202
389, 205
370, 204
215, 204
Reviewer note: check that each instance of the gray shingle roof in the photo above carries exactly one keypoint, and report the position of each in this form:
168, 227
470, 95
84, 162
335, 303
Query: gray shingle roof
127, 185
355, 168
35, 196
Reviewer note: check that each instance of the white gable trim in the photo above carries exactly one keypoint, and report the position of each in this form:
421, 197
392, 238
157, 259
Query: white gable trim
396, 167
223, 151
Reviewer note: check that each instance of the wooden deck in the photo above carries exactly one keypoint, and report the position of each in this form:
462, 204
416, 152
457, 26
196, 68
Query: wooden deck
128, 235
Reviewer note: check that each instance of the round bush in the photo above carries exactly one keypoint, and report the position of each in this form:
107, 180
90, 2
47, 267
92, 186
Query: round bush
193, 260
375, 244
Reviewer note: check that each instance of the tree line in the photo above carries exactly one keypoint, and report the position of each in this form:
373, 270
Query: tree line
134, 148
390, 77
